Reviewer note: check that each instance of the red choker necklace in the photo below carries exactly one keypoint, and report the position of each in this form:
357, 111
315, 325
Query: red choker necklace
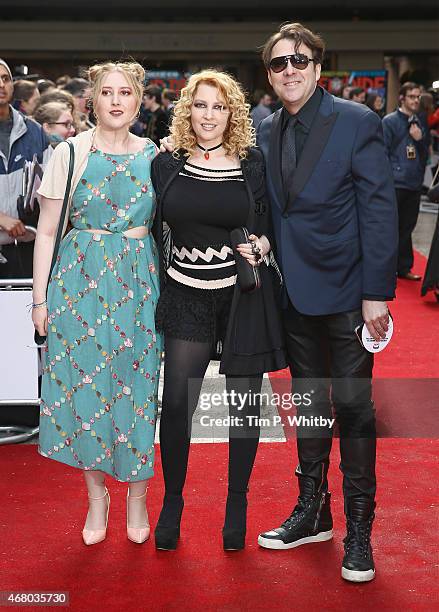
207, 151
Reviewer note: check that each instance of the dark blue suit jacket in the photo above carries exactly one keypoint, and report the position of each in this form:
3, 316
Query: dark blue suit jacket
337, 232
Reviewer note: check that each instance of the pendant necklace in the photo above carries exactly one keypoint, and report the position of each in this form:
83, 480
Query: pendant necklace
207, 151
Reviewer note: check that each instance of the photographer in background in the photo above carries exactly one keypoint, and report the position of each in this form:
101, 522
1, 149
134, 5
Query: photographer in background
407, 140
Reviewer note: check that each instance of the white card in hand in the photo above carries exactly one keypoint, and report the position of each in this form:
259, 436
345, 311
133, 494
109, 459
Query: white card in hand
376, 346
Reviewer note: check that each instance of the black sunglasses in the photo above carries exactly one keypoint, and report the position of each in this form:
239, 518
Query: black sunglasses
297, 60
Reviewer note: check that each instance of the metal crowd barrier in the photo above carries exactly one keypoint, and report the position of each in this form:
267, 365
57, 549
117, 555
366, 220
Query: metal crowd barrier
19, 355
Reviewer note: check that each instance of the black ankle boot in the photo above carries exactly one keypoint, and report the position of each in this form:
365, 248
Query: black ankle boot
358, 564
167, 531
235, 522
310, 521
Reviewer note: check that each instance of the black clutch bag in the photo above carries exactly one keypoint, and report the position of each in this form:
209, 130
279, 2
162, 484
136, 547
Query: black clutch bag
249, 277
37, 338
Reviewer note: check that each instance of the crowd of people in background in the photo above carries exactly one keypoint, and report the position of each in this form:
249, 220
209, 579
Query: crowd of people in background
63, 108
72, 93
264, 104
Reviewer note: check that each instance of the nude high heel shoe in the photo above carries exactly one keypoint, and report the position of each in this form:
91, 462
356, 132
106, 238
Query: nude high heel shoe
138, 535
94, 536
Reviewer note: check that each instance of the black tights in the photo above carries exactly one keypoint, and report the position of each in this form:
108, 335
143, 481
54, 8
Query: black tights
185, 365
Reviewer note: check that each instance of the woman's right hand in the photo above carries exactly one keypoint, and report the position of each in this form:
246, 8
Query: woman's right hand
39, 319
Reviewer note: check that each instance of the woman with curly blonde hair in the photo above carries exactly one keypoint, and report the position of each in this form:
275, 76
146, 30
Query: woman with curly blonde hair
212, 183
238, 135
99, 389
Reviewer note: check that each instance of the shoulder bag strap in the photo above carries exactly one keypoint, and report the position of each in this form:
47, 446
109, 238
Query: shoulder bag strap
64, 207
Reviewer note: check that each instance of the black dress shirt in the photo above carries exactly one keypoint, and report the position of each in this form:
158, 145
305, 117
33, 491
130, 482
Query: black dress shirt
305, 118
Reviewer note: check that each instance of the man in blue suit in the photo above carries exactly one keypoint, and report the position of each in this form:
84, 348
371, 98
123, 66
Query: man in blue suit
335, 224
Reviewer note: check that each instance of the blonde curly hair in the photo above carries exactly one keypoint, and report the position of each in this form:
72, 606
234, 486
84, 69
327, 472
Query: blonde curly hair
239, 134
133, 72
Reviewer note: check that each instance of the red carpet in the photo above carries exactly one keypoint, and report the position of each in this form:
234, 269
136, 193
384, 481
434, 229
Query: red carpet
412, 353
42, 546
44, 506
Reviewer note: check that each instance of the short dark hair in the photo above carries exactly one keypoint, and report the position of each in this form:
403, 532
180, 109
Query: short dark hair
300, 35
154, 91
45, 84
24, 90
406, 87
356, 91
169, 94
76, 86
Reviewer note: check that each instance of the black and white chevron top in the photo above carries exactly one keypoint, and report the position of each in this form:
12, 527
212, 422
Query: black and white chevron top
201, 207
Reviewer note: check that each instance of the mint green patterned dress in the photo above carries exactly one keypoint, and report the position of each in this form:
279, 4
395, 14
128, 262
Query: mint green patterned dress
100, 381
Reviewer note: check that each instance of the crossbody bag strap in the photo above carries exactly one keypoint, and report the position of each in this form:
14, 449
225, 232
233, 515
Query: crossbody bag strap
64, 207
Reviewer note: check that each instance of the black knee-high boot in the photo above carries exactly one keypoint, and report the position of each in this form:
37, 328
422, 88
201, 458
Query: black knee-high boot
243, 444
185, 366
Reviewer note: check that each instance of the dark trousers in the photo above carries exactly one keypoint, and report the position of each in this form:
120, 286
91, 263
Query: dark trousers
408, 211
328, 362
20, 260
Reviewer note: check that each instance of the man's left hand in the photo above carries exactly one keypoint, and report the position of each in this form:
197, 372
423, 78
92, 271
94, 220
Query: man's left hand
376, 318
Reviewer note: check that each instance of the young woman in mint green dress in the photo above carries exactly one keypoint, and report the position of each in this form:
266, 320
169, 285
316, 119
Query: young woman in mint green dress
99, 388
